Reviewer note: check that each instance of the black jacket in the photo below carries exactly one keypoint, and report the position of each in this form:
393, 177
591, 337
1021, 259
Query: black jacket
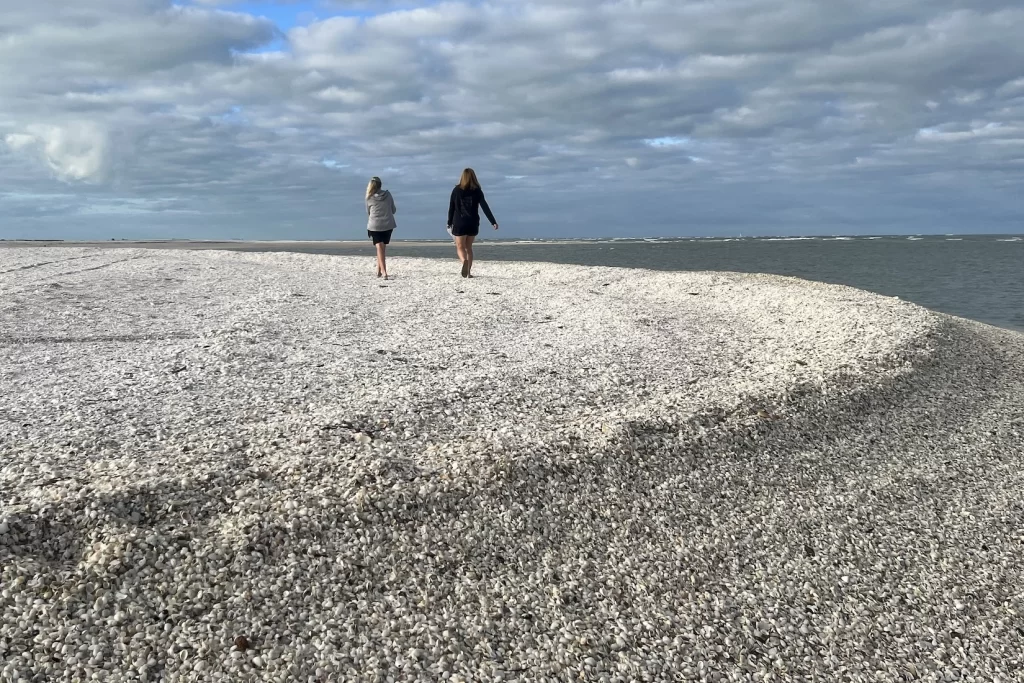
463, 208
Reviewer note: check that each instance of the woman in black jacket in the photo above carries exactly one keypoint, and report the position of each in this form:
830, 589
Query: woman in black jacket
464, 217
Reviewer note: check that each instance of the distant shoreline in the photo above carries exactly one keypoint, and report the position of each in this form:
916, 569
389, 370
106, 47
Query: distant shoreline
902, 266
255, 244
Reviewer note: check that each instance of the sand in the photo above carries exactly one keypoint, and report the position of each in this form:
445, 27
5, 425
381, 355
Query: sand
241, 466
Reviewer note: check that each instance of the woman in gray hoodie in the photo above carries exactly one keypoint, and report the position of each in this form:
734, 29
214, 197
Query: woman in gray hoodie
380, 207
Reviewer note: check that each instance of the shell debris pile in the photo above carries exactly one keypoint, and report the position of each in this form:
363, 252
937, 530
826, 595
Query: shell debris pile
219, 466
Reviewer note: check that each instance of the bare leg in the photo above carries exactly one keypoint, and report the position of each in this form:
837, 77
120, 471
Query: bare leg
460, 247
468, 249
382, 264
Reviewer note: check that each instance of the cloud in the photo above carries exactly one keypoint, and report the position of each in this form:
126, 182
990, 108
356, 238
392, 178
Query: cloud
903, 105
74, 152
20, 141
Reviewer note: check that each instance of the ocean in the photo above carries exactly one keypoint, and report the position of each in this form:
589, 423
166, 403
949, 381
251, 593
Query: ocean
973, 276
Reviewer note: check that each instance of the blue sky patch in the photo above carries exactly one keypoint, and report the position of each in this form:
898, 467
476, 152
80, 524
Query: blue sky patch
667, 142
288, 15
332, 164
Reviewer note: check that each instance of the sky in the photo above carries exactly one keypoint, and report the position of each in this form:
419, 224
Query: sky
213, 119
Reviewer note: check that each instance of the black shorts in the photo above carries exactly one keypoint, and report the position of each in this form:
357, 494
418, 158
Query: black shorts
380, 236
465, 231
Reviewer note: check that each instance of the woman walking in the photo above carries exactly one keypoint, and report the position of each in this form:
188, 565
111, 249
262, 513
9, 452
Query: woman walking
380, 207
464, 217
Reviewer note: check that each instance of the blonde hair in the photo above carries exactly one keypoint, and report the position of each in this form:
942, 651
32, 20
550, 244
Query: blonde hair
468, 180
373, 187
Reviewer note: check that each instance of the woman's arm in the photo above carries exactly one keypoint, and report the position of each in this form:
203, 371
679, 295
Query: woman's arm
393, 208
451, 208
487, 209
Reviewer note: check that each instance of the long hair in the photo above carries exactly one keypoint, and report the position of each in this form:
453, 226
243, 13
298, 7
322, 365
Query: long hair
373, 187
468, 180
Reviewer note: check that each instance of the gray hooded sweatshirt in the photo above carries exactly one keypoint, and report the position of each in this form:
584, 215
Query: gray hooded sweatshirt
380, 207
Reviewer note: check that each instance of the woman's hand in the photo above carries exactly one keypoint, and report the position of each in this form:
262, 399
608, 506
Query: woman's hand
495, 226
